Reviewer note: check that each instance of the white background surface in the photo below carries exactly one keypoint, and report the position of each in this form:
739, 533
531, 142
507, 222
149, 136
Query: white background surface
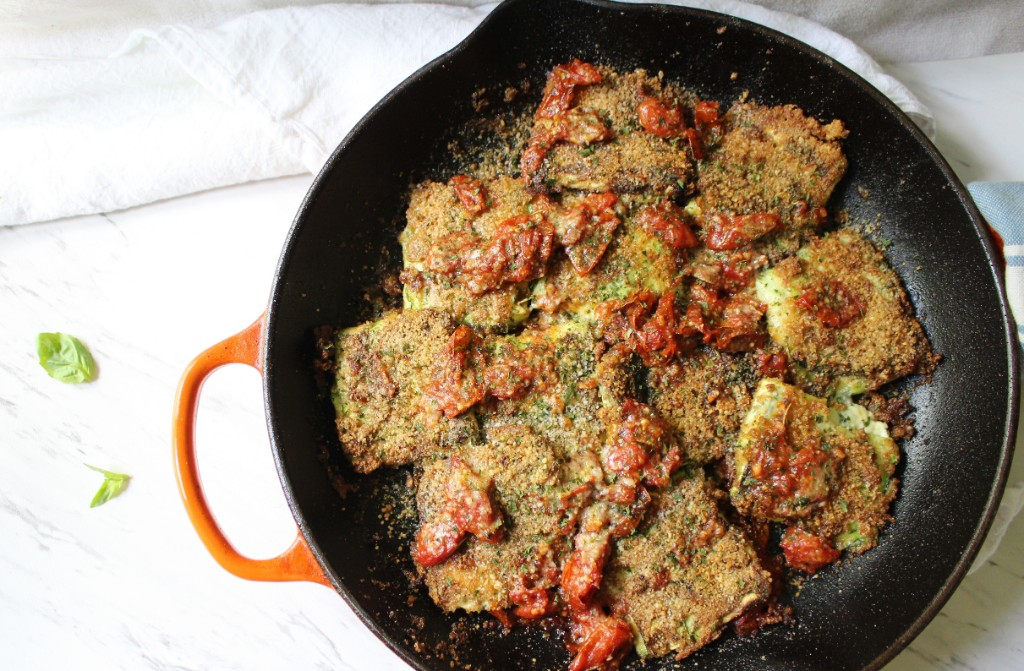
128, 585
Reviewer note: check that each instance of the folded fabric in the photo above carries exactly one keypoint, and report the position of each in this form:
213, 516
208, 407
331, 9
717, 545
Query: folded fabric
182, 108
1002, 205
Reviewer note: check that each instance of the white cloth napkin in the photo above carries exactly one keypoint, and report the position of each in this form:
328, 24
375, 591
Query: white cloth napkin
183, 108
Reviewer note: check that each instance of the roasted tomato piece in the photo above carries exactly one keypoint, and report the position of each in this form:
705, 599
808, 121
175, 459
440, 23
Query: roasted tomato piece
664, 120
469, 502
583, 570
739, 269
556, 122
658, 472
642, 440
705, 113
646, 323
771, 365
709, 127
454, 386
731, 232
533, 156
642, 425
667, 221
624, 520
531, 602
790, 480
561, 87
518, 252
470, 193
604, 642
588, 230
807, 552
437, 540
739, 329
506, 380
834, 304
656, 337
575, 126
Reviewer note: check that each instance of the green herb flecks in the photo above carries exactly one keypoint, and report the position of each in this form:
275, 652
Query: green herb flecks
65, 358
113, 485
852, 539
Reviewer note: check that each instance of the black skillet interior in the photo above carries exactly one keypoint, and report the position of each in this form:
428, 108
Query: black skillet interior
856, 615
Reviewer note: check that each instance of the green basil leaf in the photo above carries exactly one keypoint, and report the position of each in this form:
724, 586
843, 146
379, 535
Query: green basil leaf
113, 484
65, 358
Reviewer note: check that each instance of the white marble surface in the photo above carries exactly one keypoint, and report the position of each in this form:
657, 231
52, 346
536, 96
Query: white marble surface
128, 585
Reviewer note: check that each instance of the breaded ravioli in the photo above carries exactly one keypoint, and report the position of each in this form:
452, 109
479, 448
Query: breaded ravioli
637, 259
703, 396
684, 574
773, 160
570, 384
627, 158
593, 349
837, 308
788, 457
442, 233
530, 477
826, 470
380, 372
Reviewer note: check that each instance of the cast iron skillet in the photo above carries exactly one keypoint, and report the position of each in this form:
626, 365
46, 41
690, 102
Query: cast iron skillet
856, 615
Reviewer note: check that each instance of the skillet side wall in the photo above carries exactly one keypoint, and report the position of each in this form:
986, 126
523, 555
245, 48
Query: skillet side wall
949, 468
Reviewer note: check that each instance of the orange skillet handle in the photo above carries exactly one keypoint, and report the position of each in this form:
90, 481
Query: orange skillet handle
297, 562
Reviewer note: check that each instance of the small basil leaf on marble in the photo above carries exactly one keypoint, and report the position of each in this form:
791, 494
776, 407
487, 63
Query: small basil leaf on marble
65, 358
113, 484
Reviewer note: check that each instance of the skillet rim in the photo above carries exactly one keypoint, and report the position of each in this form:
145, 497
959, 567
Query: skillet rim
496, 16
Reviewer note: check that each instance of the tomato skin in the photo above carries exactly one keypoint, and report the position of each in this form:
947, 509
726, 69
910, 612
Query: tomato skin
807, 552
696, 143
663, 120
436, 541
561, 87
582, 571
470, 193
605, 640
667, 222
726, 233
